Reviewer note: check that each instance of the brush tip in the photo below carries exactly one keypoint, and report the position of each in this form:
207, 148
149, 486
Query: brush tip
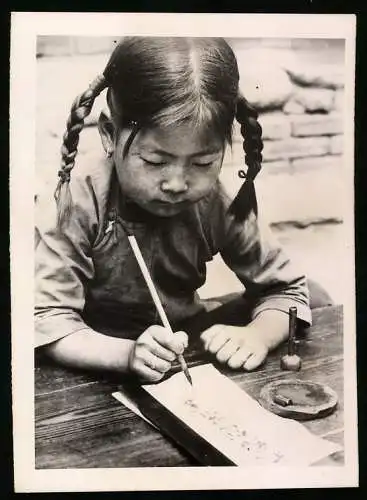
188, 376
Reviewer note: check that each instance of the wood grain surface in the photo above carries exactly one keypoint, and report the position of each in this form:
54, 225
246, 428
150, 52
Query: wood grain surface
78, 424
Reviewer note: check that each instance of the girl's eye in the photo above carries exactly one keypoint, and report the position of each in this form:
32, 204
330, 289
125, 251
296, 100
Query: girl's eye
206, 164
154, 163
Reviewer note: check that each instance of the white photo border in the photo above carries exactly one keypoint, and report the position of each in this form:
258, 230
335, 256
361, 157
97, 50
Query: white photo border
25, 27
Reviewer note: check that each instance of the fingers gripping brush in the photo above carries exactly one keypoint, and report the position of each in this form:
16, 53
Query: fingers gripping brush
155, 297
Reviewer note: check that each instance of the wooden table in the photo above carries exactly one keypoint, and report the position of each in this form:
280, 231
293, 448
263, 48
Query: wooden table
79, 424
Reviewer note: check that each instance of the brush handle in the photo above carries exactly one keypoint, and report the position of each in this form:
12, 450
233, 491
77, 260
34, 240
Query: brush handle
155, 297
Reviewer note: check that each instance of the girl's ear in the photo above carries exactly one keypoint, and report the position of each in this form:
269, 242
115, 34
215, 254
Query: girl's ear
107, 132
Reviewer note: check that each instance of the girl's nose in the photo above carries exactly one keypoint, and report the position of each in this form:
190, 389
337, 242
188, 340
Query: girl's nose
174, 183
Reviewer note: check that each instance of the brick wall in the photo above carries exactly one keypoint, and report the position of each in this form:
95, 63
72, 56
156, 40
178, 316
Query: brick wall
299, 95
297, 87
296, 140
300, 104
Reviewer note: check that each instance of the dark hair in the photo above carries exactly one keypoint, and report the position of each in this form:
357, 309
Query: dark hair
165, 81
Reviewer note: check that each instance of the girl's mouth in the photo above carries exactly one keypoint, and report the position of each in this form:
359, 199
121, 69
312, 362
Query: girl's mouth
171, 203
169, 207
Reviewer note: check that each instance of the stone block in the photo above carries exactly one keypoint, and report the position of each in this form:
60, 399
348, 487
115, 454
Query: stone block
317, 162
275, 167
314, 99
292, 107
262, 80
328, 76
295, 147
274, 126
320, 124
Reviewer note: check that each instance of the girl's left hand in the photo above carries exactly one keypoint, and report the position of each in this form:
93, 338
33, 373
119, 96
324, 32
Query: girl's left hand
236, 346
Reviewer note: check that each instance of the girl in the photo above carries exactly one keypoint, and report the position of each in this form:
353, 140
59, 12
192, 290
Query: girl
172, 105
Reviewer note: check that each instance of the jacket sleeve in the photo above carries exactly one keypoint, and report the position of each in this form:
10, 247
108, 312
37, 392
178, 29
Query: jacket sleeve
63, 263
252, 252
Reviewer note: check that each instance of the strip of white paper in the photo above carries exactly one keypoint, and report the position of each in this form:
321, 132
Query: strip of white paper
234, 423
123, 398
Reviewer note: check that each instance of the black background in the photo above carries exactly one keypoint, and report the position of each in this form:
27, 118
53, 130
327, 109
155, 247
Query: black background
243, 6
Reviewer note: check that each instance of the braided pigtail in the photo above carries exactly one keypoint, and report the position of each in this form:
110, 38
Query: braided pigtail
251, 131
80, 109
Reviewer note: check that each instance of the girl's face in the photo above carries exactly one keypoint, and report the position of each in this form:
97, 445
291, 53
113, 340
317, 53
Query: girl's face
167, 170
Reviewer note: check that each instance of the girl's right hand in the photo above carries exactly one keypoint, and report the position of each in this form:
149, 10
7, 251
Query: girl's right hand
154, 351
